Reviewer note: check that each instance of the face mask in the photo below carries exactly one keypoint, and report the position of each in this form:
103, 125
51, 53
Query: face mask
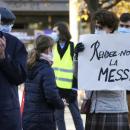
123, 30
54, 36
100, 31
6, 28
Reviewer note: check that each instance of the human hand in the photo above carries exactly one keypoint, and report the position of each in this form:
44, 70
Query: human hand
64, 101
2, 47
79, 48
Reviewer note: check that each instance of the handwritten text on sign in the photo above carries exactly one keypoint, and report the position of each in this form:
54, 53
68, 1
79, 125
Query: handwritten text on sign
105, 63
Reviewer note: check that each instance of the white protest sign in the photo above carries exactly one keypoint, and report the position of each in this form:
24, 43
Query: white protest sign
105, 62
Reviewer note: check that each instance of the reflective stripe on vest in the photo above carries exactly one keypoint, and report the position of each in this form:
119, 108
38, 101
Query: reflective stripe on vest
63, 69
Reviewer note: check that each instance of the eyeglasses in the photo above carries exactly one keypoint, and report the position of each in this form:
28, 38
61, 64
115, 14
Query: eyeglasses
99, 27
125, 26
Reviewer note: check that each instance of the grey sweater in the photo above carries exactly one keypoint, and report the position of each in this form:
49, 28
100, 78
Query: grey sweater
106, 101
109, 102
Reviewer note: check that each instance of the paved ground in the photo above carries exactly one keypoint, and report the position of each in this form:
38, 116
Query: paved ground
69, 121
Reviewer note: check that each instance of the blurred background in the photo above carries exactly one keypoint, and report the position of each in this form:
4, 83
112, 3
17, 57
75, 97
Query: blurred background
34, 17
38, 16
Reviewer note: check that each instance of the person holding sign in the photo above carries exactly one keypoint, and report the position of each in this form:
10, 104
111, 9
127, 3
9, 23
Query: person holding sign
109, 109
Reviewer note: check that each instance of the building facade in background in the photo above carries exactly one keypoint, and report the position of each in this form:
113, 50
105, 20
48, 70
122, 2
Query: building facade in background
37, 14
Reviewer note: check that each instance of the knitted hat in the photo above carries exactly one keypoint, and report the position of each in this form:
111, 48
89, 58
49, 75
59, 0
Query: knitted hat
7, 15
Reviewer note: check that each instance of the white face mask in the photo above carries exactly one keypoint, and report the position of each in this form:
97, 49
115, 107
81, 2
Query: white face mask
123, 30
100, 31
54, 36
6, 28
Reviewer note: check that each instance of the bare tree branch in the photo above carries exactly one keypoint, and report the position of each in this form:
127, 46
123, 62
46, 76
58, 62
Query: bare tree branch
104, 1
113, 4
94, 5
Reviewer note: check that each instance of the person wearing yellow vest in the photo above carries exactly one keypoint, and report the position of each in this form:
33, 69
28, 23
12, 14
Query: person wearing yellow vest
66, 82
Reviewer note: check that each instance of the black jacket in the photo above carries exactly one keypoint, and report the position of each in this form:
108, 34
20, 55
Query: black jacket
12, 73
41, 97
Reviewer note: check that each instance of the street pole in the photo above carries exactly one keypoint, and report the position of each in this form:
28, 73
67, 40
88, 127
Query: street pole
73, 20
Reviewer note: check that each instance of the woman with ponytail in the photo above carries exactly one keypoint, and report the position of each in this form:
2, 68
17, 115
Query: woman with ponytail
41, 95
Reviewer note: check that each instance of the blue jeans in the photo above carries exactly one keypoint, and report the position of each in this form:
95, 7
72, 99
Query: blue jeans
59, 116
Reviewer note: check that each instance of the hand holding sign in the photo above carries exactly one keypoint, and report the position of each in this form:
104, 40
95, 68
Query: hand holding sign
79, 48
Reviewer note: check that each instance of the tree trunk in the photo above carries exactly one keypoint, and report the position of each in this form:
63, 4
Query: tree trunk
93, 6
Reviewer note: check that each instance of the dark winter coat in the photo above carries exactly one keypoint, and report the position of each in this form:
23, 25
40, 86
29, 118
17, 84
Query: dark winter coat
12, 73
41, 98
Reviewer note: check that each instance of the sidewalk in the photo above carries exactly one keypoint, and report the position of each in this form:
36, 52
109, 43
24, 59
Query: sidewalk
69, 120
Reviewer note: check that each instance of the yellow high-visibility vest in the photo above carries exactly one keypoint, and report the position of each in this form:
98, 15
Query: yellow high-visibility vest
63, 68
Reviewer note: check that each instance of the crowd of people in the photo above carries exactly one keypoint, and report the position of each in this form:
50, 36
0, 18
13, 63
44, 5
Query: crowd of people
49, 74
